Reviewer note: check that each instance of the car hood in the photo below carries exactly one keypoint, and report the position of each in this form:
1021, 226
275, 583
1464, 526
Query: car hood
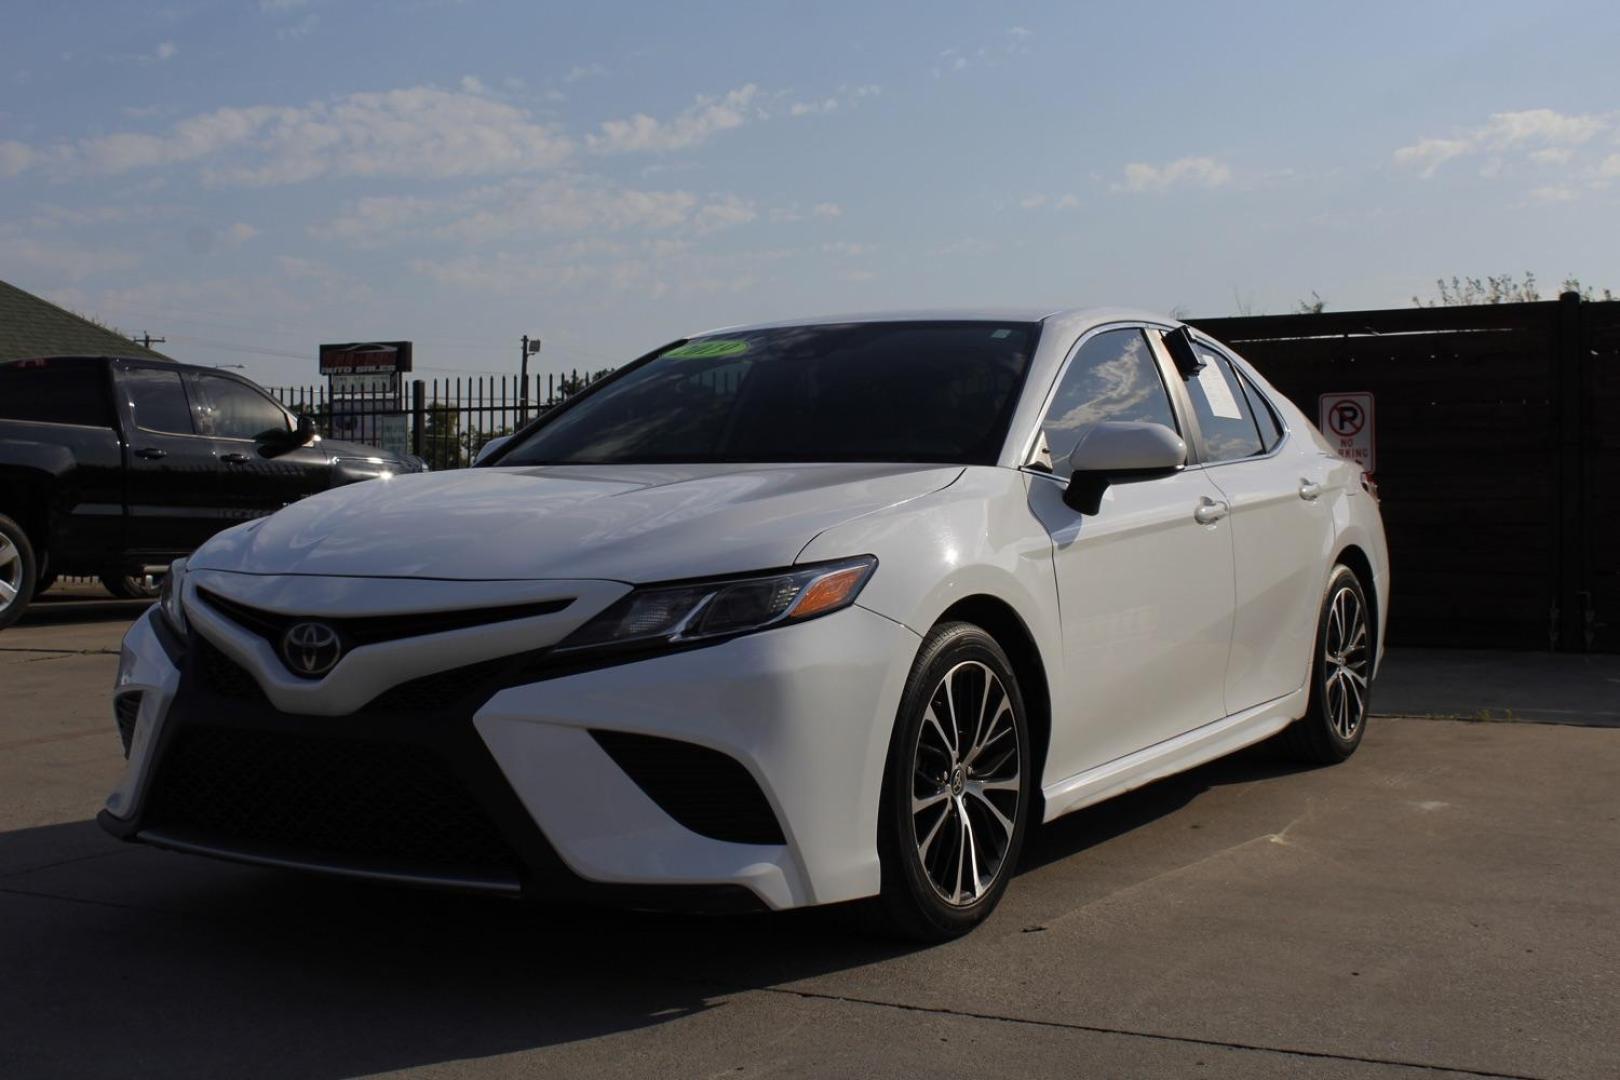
625, 522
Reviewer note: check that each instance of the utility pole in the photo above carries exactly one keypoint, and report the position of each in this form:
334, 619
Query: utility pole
146, 339
530, 347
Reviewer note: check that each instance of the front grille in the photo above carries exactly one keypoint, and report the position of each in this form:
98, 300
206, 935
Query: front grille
330, 801
126, 709
357, 630
711, 793
223, 675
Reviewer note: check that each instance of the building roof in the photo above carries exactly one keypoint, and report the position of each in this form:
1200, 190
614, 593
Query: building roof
31, 326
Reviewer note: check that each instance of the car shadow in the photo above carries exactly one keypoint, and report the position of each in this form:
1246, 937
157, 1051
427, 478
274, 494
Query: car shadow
125, 959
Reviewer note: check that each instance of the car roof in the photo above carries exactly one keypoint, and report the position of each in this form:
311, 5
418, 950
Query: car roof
998, 315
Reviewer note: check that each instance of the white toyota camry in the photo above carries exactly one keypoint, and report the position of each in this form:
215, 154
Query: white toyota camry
777, 615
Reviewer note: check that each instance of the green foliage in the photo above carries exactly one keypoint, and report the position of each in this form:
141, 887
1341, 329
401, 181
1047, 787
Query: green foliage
1503, 289
1314, 306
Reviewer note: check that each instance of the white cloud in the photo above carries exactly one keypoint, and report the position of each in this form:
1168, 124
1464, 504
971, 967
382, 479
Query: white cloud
1427, 155
15, 157
585, 71
692, 126
1609, 167
1551, 132
27, 260
1553, 193
811, 108
165, 51
1205, 172
827, 210
560, 205
237, 233
1067, 202
416, 132
1032, 202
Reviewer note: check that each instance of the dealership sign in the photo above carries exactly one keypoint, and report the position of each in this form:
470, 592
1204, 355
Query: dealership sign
1347, 421
366, 358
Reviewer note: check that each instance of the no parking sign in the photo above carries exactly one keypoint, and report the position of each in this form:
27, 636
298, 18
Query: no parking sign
1347, 421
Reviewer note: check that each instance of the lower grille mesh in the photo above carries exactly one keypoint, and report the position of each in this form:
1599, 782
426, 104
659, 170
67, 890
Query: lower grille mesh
711, 793
332, 801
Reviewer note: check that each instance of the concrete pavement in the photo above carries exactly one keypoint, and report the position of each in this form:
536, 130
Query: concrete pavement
1447, 903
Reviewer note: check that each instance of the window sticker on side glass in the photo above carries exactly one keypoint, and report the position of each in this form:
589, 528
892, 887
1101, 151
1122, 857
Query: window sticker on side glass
708, 350
1217, 392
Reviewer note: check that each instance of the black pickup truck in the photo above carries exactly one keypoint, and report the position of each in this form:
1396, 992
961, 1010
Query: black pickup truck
110, 466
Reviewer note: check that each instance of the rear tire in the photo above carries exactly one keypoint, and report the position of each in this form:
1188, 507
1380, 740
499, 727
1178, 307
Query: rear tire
18, 571
956, 791
133, 586
1341, 676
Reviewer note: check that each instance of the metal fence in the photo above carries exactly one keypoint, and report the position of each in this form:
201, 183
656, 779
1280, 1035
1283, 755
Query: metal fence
443, 421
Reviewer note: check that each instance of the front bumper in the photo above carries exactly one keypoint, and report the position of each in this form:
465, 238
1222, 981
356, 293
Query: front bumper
806, 710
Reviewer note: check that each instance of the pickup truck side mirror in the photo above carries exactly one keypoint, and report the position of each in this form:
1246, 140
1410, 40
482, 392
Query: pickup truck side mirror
1120, 452
280, 440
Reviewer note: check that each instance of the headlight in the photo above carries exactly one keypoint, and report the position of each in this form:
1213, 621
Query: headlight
705, 610
170, 606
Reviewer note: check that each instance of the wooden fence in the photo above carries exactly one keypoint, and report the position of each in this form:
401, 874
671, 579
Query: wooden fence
1498, 458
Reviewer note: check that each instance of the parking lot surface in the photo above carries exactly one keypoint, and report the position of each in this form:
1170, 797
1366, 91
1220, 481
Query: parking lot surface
1447, 903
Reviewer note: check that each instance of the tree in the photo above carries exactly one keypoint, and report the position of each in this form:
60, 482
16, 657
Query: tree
1314, 306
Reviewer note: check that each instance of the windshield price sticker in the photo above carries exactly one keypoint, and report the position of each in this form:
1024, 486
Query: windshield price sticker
708, 350
1347, 421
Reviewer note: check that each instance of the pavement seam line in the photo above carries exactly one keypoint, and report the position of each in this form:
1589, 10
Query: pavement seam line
60, 652
1155, 1035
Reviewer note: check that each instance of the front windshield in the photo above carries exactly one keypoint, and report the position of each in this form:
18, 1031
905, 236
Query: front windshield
889, 391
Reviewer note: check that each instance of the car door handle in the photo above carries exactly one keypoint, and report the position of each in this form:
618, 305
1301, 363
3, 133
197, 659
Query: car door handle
1309, 489
234, 458
1210, 511
151, 453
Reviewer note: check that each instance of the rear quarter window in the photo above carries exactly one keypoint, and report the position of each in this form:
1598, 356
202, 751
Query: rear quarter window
55, 393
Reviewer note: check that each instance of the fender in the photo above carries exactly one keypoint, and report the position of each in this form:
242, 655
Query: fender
52, 460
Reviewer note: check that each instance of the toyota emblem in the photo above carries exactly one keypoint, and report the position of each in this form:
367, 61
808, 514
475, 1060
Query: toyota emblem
311, 649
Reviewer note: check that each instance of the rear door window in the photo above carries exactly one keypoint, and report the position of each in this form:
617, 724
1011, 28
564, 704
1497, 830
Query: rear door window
157, 398
1224, 417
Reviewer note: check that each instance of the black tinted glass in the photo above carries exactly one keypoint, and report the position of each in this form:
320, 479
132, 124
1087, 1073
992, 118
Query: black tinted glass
158, 400
899, 391
1223, 412
1264, 416
54, 392
1112, 377
230, 410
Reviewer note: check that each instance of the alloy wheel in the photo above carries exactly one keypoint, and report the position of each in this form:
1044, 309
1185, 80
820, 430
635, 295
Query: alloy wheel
967, 772
11, 572
1345, 660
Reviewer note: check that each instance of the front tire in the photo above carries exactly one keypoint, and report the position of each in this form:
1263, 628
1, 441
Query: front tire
141, 586
956, 791
1341, 675
18, 571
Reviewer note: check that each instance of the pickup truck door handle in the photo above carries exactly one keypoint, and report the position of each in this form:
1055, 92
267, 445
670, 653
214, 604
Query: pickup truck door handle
1209, 511
1309, 489
151, 453
233, 458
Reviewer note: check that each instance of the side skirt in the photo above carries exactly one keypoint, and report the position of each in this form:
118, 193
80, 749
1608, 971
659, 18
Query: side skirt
1173, 755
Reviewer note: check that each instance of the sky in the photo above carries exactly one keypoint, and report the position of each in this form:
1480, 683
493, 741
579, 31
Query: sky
250, 179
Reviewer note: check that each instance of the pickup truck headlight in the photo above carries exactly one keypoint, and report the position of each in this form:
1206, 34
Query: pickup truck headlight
170, 606
691, 612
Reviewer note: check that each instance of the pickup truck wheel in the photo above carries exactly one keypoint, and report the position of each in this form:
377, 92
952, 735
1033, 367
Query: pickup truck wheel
17, 571
133, 586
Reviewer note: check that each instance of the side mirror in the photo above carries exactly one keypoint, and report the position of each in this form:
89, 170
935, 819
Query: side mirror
280, 440
1120, 452
490, 447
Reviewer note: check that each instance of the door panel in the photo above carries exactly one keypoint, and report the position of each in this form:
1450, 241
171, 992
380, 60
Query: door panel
258, 480
1146, 597
172, 483
1278, 539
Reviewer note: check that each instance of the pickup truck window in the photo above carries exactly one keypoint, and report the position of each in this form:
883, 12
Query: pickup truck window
59, 393
229, 410
158, 399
